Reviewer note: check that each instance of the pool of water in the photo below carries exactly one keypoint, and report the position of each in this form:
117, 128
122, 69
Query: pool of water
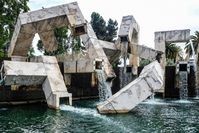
150, 116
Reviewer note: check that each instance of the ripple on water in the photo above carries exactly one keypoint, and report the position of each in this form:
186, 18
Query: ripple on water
163, 116
94, 114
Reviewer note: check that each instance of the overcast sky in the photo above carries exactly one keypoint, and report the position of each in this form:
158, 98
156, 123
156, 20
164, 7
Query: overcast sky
151, 15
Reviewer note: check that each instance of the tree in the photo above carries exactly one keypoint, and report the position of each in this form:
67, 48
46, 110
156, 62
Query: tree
99, 25
195, 40
111, 30
173, 52
144, 62
104, 32
9, 11
31, 52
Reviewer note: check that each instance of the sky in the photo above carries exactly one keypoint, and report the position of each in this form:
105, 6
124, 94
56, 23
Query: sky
151, 15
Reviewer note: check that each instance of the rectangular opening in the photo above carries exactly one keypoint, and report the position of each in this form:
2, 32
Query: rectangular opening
182, 67
79, 30
124, 39
64, 100
128, 69
98, 65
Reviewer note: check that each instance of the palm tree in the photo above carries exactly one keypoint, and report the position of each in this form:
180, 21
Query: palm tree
195, 40
173, 52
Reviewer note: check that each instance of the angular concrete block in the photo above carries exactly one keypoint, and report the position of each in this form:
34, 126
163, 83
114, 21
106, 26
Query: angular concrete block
95, 50
54, 87
44, 21
24, 73
150, 79
163, 37
127, 27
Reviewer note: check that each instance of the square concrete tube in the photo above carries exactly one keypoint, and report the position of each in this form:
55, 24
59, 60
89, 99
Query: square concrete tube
43, 22
150, 79
46, 72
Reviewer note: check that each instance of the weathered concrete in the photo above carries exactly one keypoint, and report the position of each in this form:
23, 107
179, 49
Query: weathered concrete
164, 37
54, 86
128, 27
111, 51
43, 22
129, 35
43, 71
82, 66
95, 50
145, 52
24, 73
150, 79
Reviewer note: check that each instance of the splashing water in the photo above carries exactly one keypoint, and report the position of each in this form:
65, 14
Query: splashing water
103, 86
94, 113
82, 111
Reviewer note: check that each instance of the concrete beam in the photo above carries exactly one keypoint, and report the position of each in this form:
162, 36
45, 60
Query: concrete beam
173, 36
54, 87
150, 79
145, 52
43, 22
24, 73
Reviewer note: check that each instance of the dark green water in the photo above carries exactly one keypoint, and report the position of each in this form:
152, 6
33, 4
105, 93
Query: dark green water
159, 116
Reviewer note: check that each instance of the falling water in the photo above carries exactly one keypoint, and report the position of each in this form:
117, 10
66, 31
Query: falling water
103, 86
183, 85
124, 53
152, 97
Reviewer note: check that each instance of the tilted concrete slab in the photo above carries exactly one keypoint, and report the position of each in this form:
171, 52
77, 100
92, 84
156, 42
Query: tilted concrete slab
150, 79
43, 22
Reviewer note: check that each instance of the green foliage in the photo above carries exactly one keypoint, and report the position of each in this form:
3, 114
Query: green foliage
144, 62
111, 30
31, 52
61, 35
170, 62
173, 52
104, 32
99, 25
9, 11
195, 40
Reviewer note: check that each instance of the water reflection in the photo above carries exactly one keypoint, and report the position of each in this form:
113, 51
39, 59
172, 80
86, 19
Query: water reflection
150, 116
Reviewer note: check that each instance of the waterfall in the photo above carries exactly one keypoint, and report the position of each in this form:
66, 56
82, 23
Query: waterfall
103, 86
124, 53
183, 78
